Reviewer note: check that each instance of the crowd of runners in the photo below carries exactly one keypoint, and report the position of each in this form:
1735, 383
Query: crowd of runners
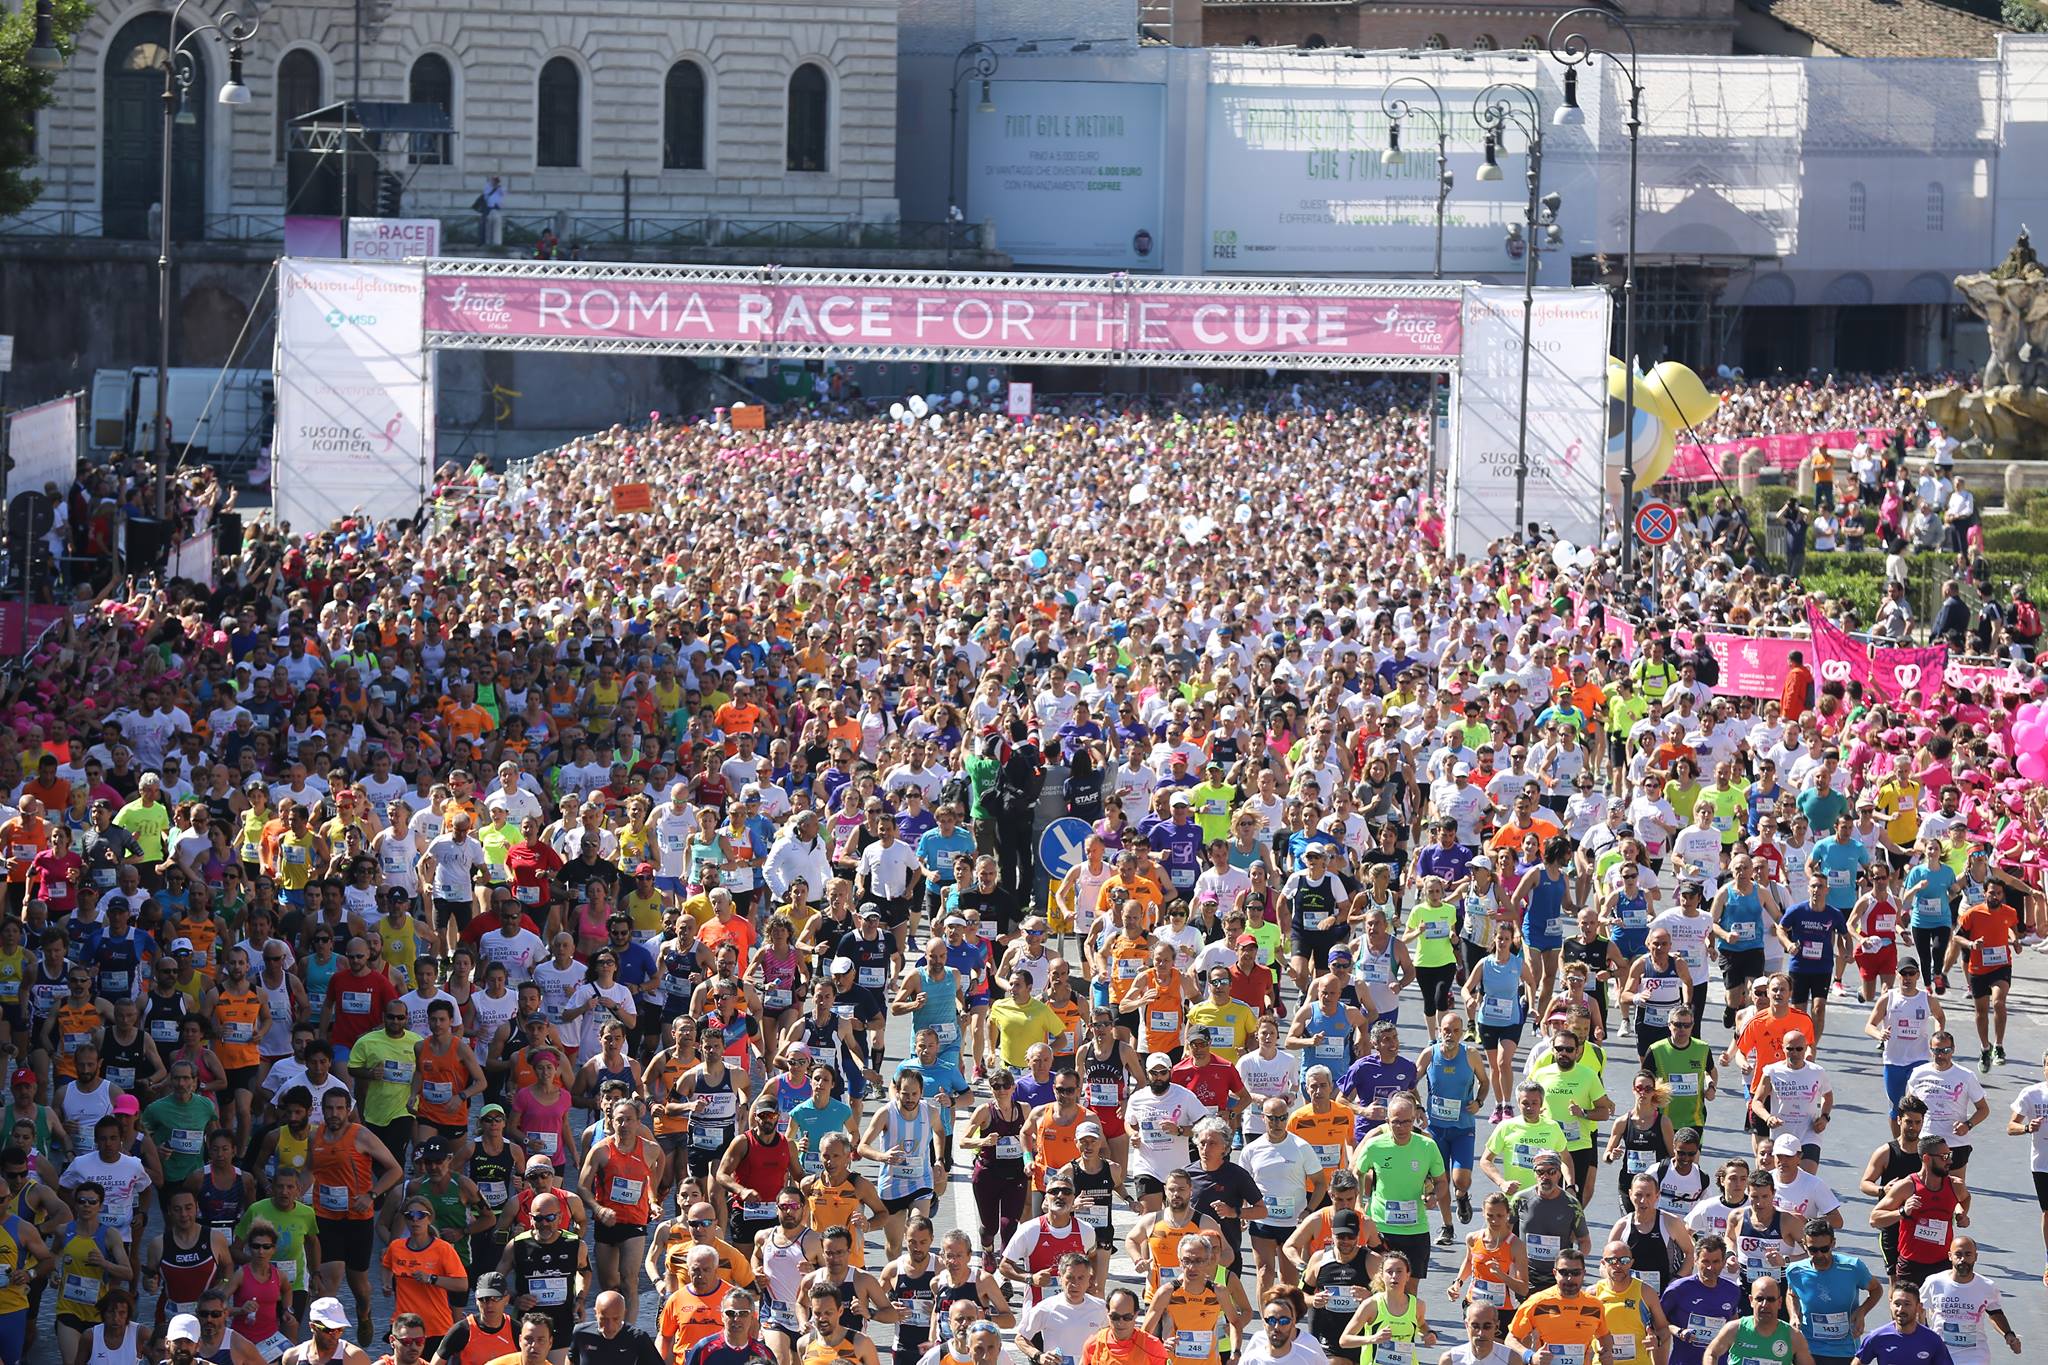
512, 921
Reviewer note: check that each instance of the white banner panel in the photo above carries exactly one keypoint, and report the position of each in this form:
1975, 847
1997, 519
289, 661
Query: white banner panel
1295, 182
355, 402
393, 239
43, 443
1567, 416
193, 559
1069, 171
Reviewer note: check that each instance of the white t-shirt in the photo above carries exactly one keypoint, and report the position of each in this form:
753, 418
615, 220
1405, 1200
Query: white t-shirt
1950, 1096
1962, 1314
518, 952
1796, 1096
1688, 938
1805, 1196
1155, 1153
416, 1006
1064, 1328
119, 1178
453, 865
2029, 1104
1282, 1170
1305, 1350
1265, 1079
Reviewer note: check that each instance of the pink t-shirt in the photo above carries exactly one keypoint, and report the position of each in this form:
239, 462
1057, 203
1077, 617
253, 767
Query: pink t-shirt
542, 1124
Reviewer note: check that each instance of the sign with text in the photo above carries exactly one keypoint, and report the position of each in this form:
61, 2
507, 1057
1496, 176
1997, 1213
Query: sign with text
1567, 417
1069, 172
1335, 323
1018, 401
393, 239
632, 497
749, 417
42, 442
355, 430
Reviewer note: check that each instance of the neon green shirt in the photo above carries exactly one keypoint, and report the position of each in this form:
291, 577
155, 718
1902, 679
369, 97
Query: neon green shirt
1435, 925
1400, 1173
1562, 1089
389, 1064
1731, 810
1212, 802
1515, 1142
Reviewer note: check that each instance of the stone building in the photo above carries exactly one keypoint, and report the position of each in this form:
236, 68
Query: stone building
745, 109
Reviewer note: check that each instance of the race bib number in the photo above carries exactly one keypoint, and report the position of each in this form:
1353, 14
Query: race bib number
1558, 927
1377, 972
1811, 952
437, 1092
1400, 1213
778, 998
1933, 1230
332, 1198
1444, 1109
1624, 1345
1828, 1326
1221, 1035
1543, 1248
949, 1032
188, 1141
757, 1213
1009, 1148
1104, 1094
1961, 1335
1280, 1207
1497, 1010
1093, 1213
549, 1291
82, 1289
1492, 1293
1701, 1327
241, 1031
626, 1190
397, 1072
1394, 1353
526, 895
1162, 1021
1684, 1083
355, 1002
1995, 956
1572, 1354
1436, 928
1745, 932
1192, 1345
495, 1192
871, 978
916, 1310
545, 1143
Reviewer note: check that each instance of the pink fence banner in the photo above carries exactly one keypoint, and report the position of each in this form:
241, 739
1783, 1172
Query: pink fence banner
1896, 670
1783, 452
1611, 623
1977, 677
946, 315
1751, 665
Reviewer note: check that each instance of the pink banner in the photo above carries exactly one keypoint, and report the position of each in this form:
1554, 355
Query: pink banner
1977, 677
1702, 463
1116, 319
1751, 665
1611, 623
1887, 672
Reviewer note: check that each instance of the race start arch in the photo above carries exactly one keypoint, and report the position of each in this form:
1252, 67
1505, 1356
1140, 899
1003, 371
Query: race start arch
356, 341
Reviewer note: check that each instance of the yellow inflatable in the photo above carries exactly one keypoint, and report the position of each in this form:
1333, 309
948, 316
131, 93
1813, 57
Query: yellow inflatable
1668, 399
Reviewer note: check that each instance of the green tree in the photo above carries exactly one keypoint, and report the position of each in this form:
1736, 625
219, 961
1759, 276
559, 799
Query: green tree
2026, 16
24, 91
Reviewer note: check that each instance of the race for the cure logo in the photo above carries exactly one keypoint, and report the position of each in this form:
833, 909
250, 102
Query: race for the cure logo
1421, 329
485, 308
1836, 670
1907, 674
1752, 657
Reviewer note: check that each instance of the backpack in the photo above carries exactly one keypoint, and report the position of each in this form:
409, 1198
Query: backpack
957, 792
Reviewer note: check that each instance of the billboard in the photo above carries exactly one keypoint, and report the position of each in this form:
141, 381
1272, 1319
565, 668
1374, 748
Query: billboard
1296, 182
1069, 171
42, 443
1567, 433
393, 239
355, 405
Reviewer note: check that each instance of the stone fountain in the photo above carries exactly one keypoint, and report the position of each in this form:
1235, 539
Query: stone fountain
2007, 417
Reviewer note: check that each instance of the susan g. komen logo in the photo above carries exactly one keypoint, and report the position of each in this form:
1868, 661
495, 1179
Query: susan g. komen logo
1906, 675
479, 307
1421, 330
1836, 670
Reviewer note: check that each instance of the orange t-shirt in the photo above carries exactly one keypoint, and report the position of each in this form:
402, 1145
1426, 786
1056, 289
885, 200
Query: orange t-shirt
1328, 1133
735, 930
687, 1318
414, 1296
1763, 1038
1992, 931
1142, 1349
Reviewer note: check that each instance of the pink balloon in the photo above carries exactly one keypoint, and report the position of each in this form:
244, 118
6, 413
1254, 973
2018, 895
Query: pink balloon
2029, 711
2034, 767
2026, 736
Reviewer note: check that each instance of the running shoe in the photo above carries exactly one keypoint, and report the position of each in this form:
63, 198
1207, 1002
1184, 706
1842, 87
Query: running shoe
1446, 1237
1998, 1055
1984, 1062
1464, 1207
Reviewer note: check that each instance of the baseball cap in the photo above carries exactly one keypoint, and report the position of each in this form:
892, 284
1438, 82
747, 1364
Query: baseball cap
184, 1327
181, 945
1461, 770
433, 1150
841, 965
1243, 939
1344, 1220
1785, 1144
644, 870
127, 1104
23, 1076
326, 1313
868, 911
1088, 1130
1180, 799
490, 1285
1159, 1059
491, 1109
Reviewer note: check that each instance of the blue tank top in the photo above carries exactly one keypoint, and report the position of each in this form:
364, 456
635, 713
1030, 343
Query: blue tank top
1451, 1084
1742, 914
912, 1172
1632, 928
1545, 907
1329, 1040
317, 977
1500, 1004
940, 1008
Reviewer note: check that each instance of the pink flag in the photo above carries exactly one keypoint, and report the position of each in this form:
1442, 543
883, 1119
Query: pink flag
1837, 656
1887, 672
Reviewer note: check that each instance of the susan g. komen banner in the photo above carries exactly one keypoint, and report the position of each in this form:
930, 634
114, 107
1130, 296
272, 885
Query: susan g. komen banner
355, 404
1566, 437
1887, 672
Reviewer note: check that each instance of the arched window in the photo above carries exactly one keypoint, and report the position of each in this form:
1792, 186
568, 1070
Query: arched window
1485, 42
1253, 41
809, 118
1859, 206
1314, 41
558, 131
1532, 43
132, 148
432, 82
1436, 42
1936, 206
298, 92
682, 118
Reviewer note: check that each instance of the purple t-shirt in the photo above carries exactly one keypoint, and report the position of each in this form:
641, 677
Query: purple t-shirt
1372, 1081
1697, 1311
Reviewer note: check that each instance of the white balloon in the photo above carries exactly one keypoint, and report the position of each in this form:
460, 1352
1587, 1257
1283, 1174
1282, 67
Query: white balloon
973, 383
1243, 515
1563, 554
932, 400
918, 407
959, 397
937, 422
1196, 388
1139, 492
895, 412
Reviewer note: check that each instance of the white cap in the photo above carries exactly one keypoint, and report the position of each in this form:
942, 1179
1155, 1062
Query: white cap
1785, 1145
1461, 770
841, 964
326, 1312
181, 945
184, 1327
1159, 1059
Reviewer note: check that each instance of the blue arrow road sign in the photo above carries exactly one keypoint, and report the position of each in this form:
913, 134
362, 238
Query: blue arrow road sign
1064, 843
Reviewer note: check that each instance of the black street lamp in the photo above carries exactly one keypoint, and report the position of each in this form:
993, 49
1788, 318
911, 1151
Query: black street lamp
976, 61
180, 68
43, 52
1398, 111
1575, 50
1500, 108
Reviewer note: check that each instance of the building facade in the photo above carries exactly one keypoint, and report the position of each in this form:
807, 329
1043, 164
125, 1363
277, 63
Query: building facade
747, 109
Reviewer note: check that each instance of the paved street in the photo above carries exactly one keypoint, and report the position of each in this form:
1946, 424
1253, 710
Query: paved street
2006, 1221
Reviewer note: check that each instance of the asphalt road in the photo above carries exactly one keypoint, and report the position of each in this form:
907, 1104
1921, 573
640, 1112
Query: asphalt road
2006, 1219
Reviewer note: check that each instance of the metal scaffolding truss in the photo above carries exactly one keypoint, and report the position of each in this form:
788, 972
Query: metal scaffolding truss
1120, 307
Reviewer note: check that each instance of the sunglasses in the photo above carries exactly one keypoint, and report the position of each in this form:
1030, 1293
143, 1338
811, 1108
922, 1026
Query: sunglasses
1123, 1317
1279, 1322
416, 1215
